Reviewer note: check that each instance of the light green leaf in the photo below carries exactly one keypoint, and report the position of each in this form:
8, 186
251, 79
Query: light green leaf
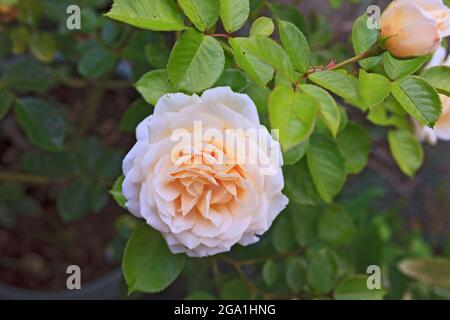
407, 151
374, 88
397, 68
341, 84
354, 144
355, 288
439, 78
326, 165
147, 264
329, 110
295, 44
293, 114
270, 272
116, 192
157, 15
196, 62
336, 226
43, 46
43, 124
432, 271
234, 13
256, 69
203, 13
153, 85
322, 271
418, 98
294, 154
296, 274
363, 38
266, 50
262, 26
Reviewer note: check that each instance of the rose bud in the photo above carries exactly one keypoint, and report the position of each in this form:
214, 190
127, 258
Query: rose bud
414, 27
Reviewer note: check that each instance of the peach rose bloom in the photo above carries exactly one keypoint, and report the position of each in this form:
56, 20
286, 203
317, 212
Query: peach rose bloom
441, 130
199, 196
415, 27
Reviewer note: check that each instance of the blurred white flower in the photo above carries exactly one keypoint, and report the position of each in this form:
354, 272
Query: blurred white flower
201, 205
441, 130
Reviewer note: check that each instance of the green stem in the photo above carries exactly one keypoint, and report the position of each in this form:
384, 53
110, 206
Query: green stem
94, 101
356, 58
11, 176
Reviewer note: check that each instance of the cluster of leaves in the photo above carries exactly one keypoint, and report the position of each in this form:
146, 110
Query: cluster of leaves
323, 248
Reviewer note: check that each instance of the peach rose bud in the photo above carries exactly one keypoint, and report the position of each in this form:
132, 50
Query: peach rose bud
415, 27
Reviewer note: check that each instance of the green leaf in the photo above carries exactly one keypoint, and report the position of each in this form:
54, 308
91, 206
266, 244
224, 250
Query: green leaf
418, 98
266, 50
28, 75
289, 13
329, 110
233, 78
363, 38
296, 274
234, 13
5, 45
355, 288
43, 124
283, 235
6, 100
43, 46
374, 88
295, 44
157, 54
200, 295
354, 144
260, 96
336, 226
407, 151
256, 69
270, 272
326, 165
235, 289
52, 164
138, 111
116, 192
147, 264
397, 68
342, 84
439, 78
294, 154
153, 85
262, 26
203, 13
432, 271
96, 62
322, 271
20, 37
157, 15
196, 62
300, 185
304, 222
293, 114
73, 201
